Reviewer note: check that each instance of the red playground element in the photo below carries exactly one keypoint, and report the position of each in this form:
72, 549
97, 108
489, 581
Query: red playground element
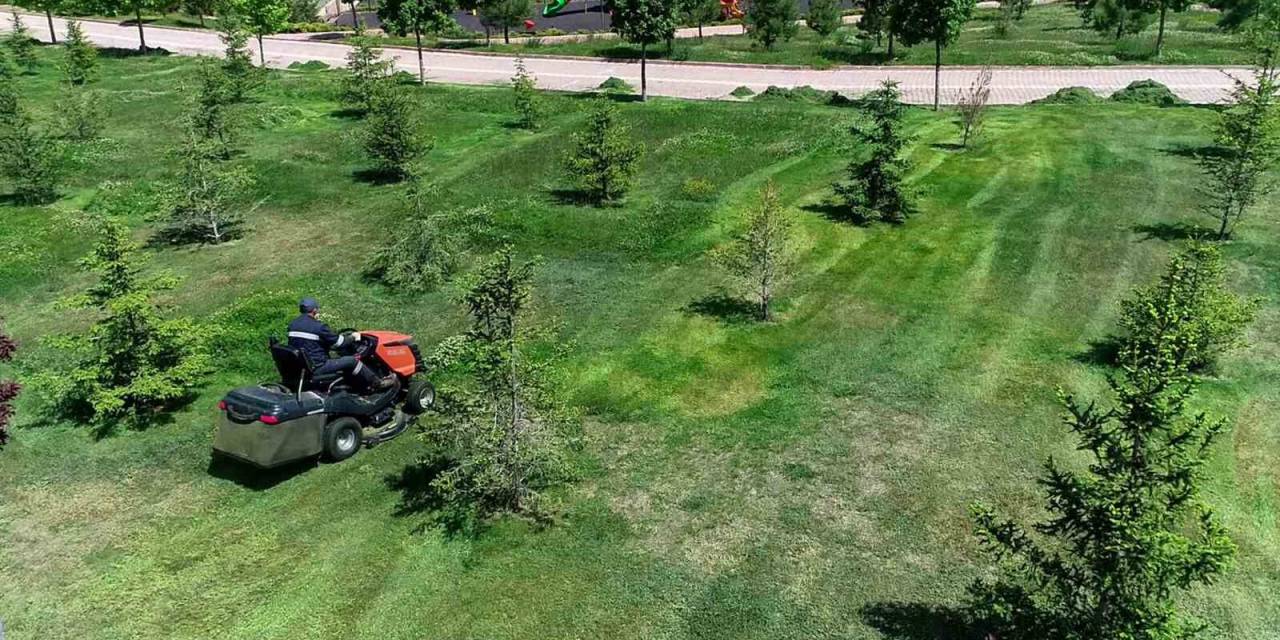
529, 25
730, 10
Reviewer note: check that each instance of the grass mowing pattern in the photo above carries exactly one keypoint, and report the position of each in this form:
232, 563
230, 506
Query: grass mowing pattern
803, 479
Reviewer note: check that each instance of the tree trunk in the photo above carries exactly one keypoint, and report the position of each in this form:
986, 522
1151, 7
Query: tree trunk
202, 25
142, 38
1224, 231
891, 46
644, 88
1164, 9
422, 69
699, 32
506, 34
487, 39
262, 53
53, 36
937, 73
355, 17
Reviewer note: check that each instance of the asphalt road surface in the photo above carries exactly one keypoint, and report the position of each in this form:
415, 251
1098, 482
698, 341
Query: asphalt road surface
1010, 85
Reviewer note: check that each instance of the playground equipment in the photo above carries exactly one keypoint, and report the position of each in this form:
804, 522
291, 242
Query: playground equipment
556, 6
730, 10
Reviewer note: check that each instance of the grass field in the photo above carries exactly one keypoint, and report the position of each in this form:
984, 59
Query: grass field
1047, 35
803, 479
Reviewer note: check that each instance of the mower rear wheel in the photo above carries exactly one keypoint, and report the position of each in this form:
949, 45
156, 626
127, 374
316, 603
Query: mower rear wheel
420, 397
342, 439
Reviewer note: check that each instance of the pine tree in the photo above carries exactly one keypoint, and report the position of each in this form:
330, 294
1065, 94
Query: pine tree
21, 45
8, 388
237, 59
771, 21
762, 255
604, 159
79, 58
366, 71
505, 431
9, 107
1130, 532
875, 188
824, 16
1247, 137
424, 257
30, 159
209, 115
524, 88
391, 136
133, 362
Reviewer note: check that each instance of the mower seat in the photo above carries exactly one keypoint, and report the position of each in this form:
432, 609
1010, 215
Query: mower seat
295, 372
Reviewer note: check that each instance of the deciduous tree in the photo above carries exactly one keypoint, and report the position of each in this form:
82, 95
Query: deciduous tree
971, 106
875, 188
263, 18
644, 22
205, 203
48, 8
134, 8
604, 157
771, 21
762, 255
416, 17
698, 12
503, 14
524, 88
940, 21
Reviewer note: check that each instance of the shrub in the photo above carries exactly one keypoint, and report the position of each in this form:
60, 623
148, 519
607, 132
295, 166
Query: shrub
310, 65
1070, 95
1147, 92
525, 94
82, 115
804, 93
699, 189
824, 16
8, 388
366, 70
742, 91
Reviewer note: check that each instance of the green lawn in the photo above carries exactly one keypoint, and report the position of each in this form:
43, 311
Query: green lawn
803, 479
1048, 35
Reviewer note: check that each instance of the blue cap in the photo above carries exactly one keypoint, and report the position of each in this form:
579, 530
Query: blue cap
307, 305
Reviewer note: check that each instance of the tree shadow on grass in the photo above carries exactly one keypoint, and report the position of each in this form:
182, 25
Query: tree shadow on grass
348, 113
722, 306
417, 496
253, 478
575, 197
1196, 152
1104, 352
377, 177
834, 212
915, 621
1171, 231
948, 146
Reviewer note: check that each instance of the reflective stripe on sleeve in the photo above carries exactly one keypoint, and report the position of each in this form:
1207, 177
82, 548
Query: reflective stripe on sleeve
359, 367
341, 339
304, 335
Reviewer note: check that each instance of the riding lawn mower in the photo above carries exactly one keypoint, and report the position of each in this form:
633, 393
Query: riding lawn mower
305, 415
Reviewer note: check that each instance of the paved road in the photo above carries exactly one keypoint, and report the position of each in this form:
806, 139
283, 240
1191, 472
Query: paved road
1010, 85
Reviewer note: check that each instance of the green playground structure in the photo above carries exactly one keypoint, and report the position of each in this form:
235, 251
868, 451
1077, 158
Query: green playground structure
554, 7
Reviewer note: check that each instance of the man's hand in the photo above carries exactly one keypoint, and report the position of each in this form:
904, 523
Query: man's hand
355, 335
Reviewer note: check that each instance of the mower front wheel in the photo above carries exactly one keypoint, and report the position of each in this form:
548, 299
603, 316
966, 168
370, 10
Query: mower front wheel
342, 439
420, 397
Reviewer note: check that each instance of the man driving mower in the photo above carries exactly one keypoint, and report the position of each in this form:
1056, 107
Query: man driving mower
314, 338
